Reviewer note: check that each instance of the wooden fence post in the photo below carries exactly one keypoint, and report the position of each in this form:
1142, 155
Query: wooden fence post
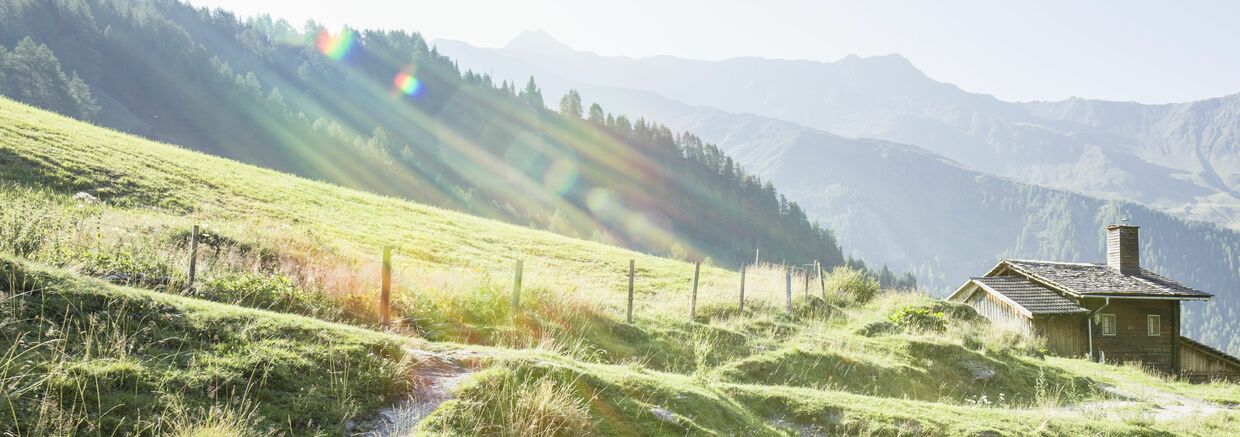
697, 268
385, 294
193, 257
788, 288
822, 280
516, 287
806, 290
741, 308
629, 314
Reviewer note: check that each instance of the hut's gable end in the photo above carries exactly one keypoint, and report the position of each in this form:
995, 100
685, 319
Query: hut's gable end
999, 311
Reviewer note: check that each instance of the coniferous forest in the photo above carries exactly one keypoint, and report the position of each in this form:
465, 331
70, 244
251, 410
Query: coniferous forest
383, 111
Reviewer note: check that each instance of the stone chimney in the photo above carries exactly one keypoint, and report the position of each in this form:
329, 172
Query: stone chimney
1123, 249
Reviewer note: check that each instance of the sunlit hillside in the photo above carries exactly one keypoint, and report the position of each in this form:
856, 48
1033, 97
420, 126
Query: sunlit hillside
384, 112
101, 334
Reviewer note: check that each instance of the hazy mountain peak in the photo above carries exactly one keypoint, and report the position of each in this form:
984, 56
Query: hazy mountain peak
537, 41
893, 62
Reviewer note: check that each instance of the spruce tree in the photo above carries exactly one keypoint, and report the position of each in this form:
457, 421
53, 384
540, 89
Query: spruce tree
570, 104
596, 115
532, 94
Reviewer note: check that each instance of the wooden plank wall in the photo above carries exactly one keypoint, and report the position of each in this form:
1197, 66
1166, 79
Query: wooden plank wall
1131, 343
1198, 364
1065, 335
999, 312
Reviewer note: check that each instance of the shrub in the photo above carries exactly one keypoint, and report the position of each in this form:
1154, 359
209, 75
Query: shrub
852, 282
956, 311
919, 318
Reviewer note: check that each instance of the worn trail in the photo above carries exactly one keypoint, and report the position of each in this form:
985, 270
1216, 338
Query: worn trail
435, 376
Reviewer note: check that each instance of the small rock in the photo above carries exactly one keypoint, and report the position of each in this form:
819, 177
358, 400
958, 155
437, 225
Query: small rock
980, 371
664, 415
85, 197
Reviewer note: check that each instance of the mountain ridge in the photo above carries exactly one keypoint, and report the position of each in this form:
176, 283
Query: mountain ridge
886, 97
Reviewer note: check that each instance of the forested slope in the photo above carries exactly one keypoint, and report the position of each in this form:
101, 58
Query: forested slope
382, 111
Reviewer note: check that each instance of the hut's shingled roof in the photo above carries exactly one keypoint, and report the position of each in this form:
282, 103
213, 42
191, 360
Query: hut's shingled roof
1098, 279
1034, 297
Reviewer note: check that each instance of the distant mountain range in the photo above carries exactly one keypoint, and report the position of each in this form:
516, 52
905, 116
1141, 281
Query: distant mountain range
937, 211
1180, 158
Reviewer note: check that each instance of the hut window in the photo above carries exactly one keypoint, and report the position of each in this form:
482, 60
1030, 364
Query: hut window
1108, 324
1151, 326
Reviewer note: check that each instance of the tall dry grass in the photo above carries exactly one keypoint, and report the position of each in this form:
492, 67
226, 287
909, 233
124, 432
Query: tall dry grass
507, 402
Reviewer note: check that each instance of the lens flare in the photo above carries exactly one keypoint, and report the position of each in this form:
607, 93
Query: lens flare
637, 224
561, 176
407, 84
600, 201
336, 46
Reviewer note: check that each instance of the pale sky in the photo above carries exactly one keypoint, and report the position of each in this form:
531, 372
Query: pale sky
1146, 51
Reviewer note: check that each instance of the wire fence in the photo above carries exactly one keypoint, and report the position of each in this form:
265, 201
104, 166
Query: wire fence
700, 293
629, 290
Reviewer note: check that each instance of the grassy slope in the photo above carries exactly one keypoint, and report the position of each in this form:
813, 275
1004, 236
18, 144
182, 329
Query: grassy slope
83, 355
165, 355
41, 149
757, 373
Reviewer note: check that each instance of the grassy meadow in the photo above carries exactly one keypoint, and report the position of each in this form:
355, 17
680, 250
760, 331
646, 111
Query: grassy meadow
279, 334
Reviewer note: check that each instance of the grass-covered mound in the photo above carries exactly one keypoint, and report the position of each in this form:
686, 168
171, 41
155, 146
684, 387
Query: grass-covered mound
82, 356
542, 394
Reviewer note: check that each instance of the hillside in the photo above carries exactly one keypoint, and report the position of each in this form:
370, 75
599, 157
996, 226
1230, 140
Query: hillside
383, 112
1177, 158
919, 211
289, 245
284, 257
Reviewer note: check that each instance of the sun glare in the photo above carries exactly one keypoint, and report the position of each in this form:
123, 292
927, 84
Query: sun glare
336, 46
407, 84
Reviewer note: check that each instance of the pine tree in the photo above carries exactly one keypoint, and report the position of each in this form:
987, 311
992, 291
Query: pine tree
596, 115
532, 94
379, 141
34, 76
570, 104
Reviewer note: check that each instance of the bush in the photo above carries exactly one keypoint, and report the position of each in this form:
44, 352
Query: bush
919, 318
852, 282
956, 311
